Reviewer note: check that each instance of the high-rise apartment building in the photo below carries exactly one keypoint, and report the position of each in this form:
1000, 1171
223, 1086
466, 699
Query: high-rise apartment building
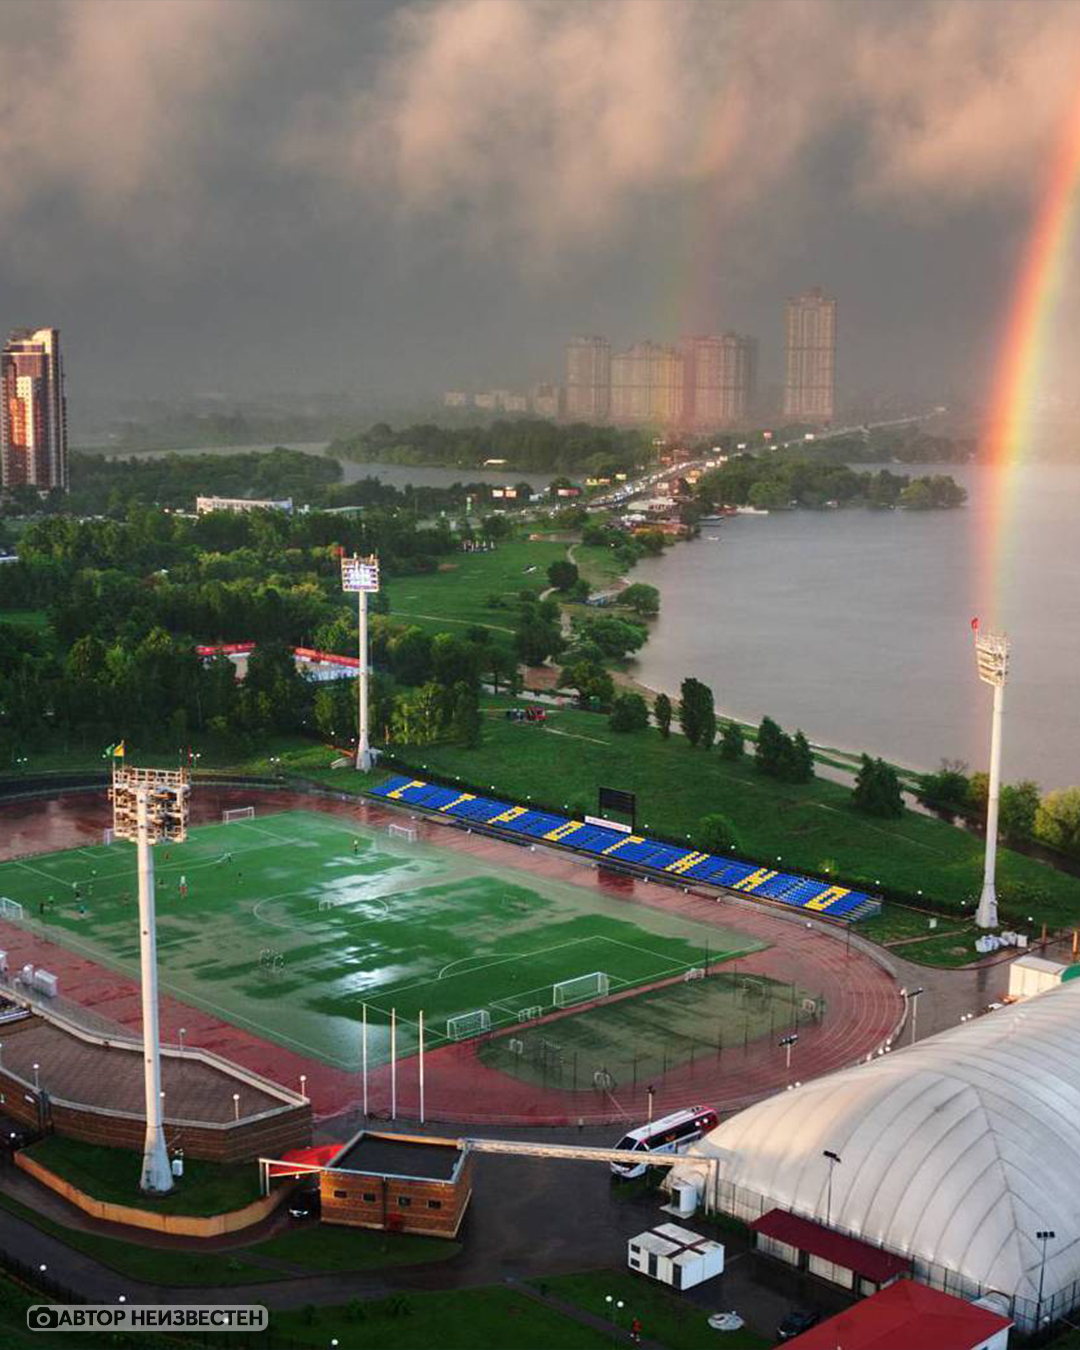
588, 379
547, 400
720, 379
810, 380
647, 385
33, 416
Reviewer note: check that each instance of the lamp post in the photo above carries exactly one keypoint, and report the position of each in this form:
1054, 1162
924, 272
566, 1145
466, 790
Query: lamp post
362, 576
911, 996
992, 664
37, 1080
236, 1105
150, 805
652, 1093
833, 1159
786, 1043
1044, 1235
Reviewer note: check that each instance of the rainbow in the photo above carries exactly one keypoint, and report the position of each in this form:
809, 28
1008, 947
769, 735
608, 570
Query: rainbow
1022, 351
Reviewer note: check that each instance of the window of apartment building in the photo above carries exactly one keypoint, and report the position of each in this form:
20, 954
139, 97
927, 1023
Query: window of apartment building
434, 1204
404, 1201
341, 1195
369, 1197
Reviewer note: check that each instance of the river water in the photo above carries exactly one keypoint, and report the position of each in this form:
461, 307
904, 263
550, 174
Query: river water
855, 625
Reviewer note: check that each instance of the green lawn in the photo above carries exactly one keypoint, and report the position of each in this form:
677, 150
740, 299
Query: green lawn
294, 921
674, 1322
808, 825
459, 594
456, 1319
112, 1174
319, 1247
599, 566
155, 1265
662, 1029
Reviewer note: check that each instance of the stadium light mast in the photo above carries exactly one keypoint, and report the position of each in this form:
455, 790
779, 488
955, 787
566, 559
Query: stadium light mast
992, 664
150, 805
362, 576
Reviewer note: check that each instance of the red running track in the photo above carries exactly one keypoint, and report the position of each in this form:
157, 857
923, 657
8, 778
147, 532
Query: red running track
862, 1000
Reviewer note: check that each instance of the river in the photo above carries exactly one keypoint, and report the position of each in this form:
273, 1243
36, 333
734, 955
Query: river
855, 625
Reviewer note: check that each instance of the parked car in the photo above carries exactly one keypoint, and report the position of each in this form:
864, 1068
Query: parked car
306, 1203
796, 1322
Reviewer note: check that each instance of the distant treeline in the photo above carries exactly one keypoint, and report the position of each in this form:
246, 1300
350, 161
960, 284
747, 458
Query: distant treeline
782, 480
903, 445
527, 446
177, 430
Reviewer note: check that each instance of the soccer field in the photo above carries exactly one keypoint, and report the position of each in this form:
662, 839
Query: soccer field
291, 922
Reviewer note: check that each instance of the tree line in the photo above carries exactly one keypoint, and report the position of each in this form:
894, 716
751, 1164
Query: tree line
780, 480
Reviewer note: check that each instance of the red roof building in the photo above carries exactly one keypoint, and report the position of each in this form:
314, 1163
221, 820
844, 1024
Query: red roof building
908, 1315
824, 1252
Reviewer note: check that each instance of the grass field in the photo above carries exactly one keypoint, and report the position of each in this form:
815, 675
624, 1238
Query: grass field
292, 922
459, 594
808, 825
631, 1042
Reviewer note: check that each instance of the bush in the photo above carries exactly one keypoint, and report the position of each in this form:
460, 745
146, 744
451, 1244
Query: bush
629, 712
716, 834
732, 741
877, 789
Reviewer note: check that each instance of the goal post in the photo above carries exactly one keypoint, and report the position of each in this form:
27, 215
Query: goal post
694, 973
107, 835
581, 989
407, 833
237, 813
11, 909
468, 1024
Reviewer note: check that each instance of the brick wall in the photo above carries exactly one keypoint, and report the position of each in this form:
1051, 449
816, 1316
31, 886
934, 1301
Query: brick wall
265, 1138
404, 1204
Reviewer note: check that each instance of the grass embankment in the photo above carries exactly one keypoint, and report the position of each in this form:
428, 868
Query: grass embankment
460, 593
808, 827
112, 1175
456, 1319
323, 1247
664, 1317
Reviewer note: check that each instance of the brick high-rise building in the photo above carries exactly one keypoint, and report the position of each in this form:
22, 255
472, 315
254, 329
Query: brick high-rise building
810, 381
33, 415
588, 379
647, 385
721, 379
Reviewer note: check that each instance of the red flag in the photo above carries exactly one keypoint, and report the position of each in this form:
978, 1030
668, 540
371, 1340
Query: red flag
974, 625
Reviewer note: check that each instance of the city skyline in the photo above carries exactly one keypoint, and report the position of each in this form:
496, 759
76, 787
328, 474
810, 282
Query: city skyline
810, 357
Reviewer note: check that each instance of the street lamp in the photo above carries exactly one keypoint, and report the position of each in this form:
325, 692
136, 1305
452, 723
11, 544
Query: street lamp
303, 1086
785, 1043
833, 1159
37, 1079
1043, 1235
236, 1104
912, 998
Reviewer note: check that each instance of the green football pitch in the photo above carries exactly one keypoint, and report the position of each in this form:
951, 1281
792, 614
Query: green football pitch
292, 922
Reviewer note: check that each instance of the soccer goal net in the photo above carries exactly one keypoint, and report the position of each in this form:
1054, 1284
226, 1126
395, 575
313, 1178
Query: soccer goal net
468, 1024
238, 813
694, 973
10, 909
405, 832
596, 985
107, 835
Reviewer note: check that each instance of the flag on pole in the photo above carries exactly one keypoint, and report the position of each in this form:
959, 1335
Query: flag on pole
975, 625
115, 751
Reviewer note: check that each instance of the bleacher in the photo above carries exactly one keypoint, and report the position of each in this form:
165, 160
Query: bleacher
670, 861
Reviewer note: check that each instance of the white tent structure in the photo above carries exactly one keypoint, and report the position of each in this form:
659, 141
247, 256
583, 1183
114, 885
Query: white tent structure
956, 1152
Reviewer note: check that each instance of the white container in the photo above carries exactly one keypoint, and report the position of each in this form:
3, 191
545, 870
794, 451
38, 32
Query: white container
675, 1256
1029, 975
45, 982
684, 1197
26, 975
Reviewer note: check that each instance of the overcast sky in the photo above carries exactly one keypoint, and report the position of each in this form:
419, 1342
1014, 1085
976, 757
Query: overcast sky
380, 198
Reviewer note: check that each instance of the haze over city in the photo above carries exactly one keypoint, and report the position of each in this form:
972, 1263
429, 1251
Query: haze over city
387, 200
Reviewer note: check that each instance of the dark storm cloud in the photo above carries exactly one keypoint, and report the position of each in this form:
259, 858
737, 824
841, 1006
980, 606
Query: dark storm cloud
244, 194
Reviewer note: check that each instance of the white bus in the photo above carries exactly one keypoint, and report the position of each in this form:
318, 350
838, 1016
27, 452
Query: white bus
669, 1134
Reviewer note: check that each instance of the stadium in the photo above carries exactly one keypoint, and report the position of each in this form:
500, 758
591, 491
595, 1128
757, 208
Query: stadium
316, 941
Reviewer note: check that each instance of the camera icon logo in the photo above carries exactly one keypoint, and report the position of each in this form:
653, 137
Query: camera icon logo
40, 1317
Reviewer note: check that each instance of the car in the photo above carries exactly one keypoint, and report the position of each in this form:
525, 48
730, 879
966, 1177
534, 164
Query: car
306, 1203
796, 1322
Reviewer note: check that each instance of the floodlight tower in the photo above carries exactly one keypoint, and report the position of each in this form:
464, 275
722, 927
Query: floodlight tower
150, 805
362, 576
992, 663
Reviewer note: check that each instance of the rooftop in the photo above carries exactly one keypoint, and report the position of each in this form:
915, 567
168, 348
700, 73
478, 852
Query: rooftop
399, 1155
853, 1254
905, 1315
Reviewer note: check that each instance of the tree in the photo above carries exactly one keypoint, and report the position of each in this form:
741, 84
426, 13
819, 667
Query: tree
562, 574
466, 724
642, 599
616, 638
662, 712
769, 748
877, 789
590, 680
697, 713
948, 790
979, 793
801, 760
501, 664
1057, 820
716, 834
629, 712
537, 636
411, 656
732, 741
1018, 810
418, 716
